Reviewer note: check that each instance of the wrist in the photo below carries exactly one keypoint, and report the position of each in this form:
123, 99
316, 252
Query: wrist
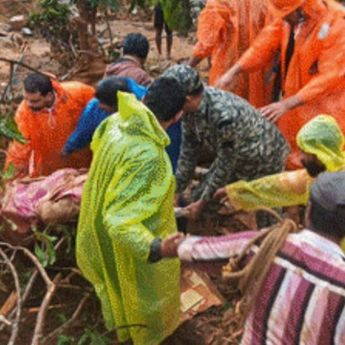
292, 102
155, 250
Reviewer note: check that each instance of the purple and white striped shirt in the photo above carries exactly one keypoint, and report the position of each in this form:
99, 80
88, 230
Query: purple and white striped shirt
302, 299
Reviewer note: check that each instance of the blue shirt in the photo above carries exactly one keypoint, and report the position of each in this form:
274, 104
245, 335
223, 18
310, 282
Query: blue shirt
93, 115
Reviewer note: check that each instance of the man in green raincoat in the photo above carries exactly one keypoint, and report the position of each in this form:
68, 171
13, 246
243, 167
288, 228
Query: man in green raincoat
127, 206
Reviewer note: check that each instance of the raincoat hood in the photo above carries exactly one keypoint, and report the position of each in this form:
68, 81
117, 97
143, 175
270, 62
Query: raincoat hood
281, 8
137, 119
323, 137
312, 8
223, 7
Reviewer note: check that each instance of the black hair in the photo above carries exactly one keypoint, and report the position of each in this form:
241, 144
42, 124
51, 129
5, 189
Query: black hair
198, 91
37, 82
165, 98
136, 44
327, 222
106, 90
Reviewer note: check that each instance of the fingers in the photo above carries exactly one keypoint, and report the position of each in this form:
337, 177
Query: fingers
223, 82
220, 194
270, 113
266, 111
175, 237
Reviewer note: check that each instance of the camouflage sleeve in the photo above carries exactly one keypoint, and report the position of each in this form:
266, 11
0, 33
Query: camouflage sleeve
223, 167
220, 172
189, 155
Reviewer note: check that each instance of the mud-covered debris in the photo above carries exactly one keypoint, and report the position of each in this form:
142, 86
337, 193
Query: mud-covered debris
17, 22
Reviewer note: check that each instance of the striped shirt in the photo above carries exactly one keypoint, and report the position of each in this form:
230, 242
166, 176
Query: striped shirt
302, 299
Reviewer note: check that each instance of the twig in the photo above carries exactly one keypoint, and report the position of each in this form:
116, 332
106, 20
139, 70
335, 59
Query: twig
34, 260
68, 323
21, 64
5, 321
15, 324
9, 84
14, 68
33, 277
109, 28
30, 285
75, 55
40, 321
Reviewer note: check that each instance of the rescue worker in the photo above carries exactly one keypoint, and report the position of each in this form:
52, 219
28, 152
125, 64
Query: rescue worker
310, 37
127, 203
243, 143
46, 117
225, 31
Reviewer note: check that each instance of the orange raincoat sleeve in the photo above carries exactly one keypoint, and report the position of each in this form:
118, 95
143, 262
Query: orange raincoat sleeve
19, 154
263, 49
330, 65
210, 32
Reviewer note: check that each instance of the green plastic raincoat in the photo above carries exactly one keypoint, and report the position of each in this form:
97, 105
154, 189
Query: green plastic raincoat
322, 137
127, 202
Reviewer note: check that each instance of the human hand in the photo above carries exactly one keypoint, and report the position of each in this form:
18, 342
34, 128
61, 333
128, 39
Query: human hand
274, 111
194, 209
226, 81
220, 194
170, 245
177, 198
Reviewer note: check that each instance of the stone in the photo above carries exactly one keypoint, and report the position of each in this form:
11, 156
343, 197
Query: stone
26, 32
17, 22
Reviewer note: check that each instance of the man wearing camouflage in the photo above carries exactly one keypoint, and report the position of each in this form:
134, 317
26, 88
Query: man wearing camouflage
245, 145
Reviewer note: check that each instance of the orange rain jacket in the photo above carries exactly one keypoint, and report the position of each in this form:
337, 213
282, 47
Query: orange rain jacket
316, 74
225, 31
46, 132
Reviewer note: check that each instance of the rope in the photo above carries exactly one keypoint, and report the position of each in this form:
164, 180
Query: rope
250, 279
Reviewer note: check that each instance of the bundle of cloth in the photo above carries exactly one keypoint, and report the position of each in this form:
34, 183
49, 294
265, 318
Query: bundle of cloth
52, 199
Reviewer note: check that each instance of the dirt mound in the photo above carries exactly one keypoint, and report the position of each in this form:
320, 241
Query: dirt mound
10, 8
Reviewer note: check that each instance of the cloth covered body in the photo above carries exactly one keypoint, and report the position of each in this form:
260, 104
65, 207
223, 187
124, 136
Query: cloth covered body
302, 299
245, 144
315, 73
92, 116
46, 132
225, 31
321, 137
52, 199
127, 202
129, 67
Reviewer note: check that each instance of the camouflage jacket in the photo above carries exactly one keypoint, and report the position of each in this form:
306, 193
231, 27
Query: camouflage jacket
246, 145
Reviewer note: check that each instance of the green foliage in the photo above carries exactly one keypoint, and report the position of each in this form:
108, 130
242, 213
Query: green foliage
112, 4
9, 173
9, 130
92, 337
65, 340
52, 20
177, 14
44, 248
